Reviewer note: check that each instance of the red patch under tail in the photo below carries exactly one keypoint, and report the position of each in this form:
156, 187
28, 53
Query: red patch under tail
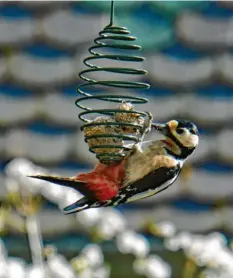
104, 181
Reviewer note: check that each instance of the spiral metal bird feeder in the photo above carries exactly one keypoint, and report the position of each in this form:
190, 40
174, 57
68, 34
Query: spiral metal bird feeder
106, 135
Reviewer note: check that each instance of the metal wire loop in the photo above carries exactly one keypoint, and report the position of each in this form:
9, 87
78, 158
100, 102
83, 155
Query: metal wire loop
112, 38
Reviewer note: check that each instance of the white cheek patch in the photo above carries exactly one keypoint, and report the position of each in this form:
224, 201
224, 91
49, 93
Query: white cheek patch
190, 141
187, 139
195, 140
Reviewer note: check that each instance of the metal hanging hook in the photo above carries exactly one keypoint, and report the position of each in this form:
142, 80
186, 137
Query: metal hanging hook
111, 13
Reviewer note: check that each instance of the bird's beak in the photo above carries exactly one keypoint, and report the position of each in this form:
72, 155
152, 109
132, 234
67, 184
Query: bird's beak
162, 128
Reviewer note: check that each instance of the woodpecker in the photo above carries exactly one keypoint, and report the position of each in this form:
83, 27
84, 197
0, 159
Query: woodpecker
152, 167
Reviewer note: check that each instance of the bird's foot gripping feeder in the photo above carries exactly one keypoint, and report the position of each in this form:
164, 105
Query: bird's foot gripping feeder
108, 131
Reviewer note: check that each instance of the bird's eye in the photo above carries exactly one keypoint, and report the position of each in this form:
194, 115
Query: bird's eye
192, 131
179, 130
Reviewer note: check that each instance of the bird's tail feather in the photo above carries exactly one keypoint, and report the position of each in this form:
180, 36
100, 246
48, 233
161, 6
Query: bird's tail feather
69, 182
57, 180
77, 206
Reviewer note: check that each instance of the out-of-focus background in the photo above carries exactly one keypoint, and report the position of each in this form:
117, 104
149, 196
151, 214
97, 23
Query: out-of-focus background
188, 50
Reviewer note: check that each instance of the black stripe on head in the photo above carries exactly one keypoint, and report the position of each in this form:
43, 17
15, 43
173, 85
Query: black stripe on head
184, 151
188, 125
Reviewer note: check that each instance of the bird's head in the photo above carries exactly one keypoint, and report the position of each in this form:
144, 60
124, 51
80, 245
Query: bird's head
183, 134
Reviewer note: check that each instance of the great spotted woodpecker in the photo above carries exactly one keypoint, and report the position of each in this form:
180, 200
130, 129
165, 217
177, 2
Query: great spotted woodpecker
151, 168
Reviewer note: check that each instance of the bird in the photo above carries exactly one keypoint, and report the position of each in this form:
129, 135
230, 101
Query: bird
151, 168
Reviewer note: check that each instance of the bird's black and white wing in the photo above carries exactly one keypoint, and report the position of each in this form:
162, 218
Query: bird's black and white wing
151, 184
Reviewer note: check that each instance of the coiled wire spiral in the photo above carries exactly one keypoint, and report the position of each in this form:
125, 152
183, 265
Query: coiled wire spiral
117, 35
